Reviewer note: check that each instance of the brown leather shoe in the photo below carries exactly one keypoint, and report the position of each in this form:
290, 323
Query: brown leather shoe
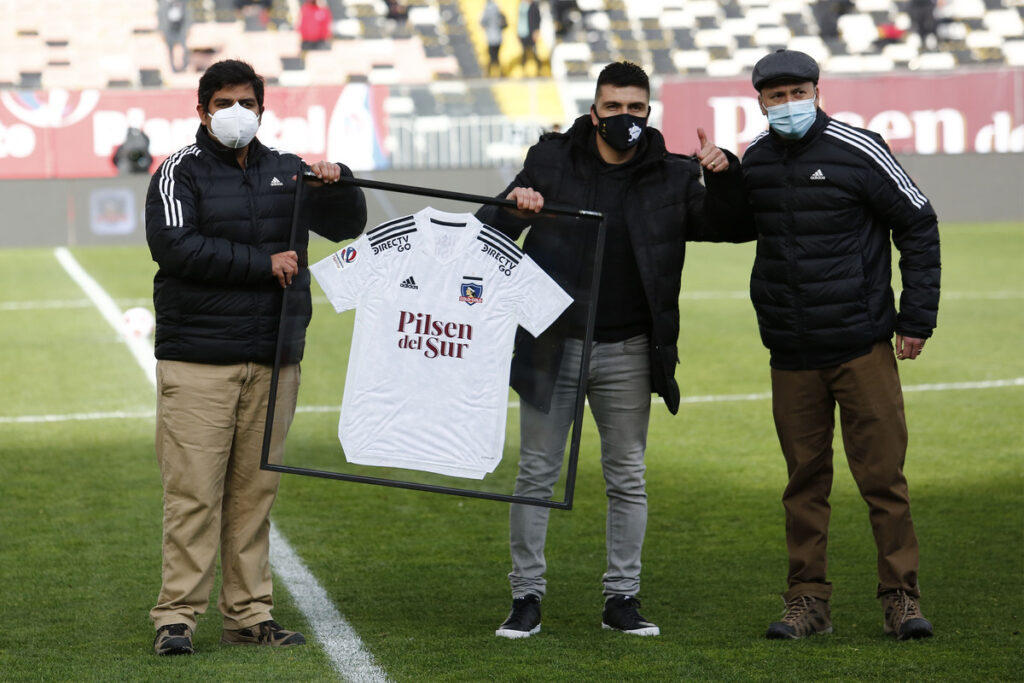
265, 633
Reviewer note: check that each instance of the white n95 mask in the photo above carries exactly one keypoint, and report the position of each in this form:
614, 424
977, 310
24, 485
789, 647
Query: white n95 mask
235, 126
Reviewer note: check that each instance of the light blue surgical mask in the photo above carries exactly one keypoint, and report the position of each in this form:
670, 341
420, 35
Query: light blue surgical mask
792, 119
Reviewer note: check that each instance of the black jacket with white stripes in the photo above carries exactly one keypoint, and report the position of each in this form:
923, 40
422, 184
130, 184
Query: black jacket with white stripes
212, 227
824, 207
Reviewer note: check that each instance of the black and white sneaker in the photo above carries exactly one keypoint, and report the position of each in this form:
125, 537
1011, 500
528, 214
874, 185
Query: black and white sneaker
620, 614
524, 619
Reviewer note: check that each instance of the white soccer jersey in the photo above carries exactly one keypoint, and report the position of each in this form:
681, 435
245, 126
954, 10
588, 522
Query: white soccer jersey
438, 297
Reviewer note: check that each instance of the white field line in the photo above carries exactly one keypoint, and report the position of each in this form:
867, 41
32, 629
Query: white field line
65, 303
140, 348
339, 640
75, 417
711, 398
12, 306
337, 637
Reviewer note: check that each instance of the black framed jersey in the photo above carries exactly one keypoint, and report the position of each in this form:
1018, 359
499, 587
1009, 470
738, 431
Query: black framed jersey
438, 297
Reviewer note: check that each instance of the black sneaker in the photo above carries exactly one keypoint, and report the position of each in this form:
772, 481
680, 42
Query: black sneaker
524, 619
265, 633
620, 614
173, 639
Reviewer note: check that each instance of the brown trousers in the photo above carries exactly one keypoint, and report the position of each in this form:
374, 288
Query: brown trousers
209, 438
874, 430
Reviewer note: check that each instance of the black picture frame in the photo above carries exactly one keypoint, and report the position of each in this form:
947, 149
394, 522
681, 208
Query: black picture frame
581, 391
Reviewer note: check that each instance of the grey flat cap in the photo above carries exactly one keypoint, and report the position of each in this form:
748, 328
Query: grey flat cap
789, 64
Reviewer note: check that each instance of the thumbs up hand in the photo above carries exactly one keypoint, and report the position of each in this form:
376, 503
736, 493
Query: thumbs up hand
709, 156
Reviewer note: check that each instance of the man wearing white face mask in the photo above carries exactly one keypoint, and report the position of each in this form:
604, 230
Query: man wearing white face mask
218, 222
827, 200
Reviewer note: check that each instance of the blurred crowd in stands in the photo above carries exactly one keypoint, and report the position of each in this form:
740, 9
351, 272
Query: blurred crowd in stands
110, 43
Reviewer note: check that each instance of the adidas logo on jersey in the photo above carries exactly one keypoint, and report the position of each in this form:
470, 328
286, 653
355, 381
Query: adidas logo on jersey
409, 283
818, 175
276, 183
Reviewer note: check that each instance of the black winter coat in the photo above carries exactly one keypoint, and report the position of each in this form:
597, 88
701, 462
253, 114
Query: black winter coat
664, 208
824, 207
212, 227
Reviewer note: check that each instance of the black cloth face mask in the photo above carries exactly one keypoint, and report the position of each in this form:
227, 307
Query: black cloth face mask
621, 131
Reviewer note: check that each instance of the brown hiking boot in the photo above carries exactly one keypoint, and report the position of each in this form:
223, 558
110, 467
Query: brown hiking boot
173, 639
265, 633
804, 617
903, 617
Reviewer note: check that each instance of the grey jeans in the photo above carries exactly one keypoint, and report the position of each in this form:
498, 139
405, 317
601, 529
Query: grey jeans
619, 394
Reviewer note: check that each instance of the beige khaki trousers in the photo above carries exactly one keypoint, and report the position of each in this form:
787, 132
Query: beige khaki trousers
209, 439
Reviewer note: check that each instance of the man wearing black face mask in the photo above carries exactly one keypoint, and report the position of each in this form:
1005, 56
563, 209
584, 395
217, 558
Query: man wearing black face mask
653, 201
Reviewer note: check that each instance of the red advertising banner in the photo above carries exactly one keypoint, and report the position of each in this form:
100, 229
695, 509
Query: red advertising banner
73, 134
934, 113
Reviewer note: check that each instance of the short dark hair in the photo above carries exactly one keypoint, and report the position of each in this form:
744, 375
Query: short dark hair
229, 72
622, 75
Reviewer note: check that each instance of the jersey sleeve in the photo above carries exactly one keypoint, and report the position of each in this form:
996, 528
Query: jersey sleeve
541, 300
344, 274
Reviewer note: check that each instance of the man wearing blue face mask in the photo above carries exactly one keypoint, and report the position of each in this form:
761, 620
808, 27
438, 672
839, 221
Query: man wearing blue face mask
218, 222
827, 200
610, 161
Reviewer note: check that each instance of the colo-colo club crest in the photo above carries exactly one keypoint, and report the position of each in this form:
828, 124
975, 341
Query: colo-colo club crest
472, 290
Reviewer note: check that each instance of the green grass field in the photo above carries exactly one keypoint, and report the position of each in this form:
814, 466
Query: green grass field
421, 577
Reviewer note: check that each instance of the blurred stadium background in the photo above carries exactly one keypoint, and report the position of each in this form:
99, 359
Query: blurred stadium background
401, 92
407, 100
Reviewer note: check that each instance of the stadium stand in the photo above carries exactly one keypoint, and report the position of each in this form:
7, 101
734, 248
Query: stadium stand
77, 44
117, 43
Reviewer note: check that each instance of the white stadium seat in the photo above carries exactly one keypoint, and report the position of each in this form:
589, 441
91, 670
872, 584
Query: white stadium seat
677, 19
858, 31
1013, 51
980, 40
965, 9
812, 45
690, 59
724, 68
859, 64
1004, 22
764, 16
933, 61
772, 36
714, 37
900, 53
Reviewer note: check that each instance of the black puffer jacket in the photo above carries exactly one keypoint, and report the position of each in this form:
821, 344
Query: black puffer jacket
824, 207
664, 207
211, 227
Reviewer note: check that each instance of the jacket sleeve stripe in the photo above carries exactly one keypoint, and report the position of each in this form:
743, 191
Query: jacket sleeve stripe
881, 156
172, 206
757, 138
